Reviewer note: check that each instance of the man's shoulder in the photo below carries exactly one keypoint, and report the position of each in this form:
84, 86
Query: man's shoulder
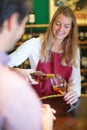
18, 101
9, 77
13, 83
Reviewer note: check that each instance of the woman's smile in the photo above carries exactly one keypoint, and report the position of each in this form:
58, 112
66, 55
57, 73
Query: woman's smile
61, 26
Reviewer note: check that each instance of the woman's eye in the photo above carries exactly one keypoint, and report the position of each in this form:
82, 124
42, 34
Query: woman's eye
67, 26
58, 24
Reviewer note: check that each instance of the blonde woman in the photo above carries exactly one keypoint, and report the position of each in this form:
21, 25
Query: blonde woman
56, 51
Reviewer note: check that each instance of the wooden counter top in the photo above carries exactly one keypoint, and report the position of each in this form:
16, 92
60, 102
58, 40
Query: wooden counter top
73, 120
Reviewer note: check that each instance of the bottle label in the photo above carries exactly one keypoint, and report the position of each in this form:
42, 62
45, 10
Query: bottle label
31, 18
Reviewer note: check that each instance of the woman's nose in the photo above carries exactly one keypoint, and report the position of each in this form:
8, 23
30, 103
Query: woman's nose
61, 28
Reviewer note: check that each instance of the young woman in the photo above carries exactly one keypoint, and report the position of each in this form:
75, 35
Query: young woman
57, 52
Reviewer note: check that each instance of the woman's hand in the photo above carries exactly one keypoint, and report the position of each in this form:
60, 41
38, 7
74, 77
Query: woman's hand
48, 117
71, 97
25, 73
32, 81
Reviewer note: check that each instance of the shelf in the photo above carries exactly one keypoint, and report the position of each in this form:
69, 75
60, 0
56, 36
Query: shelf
82, 24
44, 25
36, 25
82, 42
83, 69
84, 95
84, 84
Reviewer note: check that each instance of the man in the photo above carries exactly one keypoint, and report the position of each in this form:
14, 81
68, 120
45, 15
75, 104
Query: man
20, 107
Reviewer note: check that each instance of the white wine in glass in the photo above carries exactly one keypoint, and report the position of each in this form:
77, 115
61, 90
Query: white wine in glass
59, 84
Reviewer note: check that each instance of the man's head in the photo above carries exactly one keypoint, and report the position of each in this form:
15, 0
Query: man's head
13, 16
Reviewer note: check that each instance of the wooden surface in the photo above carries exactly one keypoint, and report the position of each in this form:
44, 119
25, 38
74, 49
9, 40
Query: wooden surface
73, 120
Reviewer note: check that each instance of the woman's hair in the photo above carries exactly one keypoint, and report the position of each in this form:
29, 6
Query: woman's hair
8, 7
69, 43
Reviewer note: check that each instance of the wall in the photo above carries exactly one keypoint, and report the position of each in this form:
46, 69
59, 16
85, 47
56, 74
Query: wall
41, 8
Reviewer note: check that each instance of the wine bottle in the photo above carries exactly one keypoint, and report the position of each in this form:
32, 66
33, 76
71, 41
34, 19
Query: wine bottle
81, 36
58, 82
31, 18
24, 37
40, 76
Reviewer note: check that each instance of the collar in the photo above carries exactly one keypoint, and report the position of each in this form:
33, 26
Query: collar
4, 58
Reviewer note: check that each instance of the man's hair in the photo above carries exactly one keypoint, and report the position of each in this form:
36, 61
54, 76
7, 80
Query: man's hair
8, 7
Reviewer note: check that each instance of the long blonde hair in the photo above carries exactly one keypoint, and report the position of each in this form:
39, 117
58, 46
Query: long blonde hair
69, 43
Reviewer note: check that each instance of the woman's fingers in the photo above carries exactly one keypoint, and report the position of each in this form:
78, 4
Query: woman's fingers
71, 97
32, 81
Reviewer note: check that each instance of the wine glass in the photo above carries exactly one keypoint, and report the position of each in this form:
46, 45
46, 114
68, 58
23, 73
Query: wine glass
59, 84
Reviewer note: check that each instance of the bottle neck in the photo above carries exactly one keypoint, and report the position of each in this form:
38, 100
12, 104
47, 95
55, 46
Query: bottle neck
49, 76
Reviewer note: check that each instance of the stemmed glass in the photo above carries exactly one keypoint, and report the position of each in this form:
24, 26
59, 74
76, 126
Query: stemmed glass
59, 85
